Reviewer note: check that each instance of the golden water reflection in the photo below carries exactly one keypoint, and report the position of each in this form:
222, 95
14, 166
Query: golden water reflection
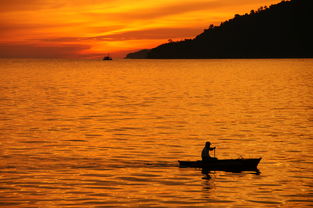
95, 134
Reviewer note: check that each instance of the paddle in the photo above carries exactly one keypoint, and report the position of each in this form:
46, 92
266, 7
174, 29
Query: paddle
214, 151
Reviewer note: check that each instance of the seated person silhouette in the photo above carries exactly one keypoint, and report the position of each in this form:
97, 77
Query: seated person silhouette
205, 155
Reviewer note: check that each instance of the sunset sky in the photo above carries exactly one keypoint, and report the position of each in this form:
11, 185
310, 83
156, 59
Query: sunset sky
93, 28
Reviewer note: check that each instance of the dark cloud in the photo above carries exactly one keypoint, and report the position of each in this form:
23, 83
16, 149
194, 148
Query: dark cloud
19, 28
32, 5
155, 33
29, 5
32, 51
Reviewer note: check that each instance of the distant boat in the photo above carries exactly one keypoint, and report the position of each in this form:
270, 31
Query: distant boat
107, 58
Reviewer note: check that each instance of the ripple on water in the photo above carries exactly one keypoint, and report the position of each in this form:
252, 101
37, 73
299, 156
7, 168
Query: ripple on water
110, 135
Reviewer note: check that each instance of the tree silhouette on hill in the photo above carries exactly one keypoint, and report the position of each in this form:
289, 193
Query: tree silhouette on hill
282, 30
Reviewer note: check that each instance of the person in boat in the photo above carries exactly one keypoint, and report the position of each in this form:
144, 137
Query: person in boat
205, 155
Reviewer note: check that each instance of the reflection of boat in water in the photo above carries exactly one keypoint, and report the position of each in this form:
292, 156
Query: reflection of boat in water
225, 165
107, 58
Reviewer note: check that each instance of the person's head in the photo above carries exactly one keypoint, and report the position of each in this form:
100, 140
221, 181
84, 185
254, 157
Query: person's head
207, 144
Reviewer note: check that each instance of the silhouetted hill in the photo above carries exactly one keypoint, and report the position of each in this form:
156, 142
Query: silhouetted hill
282, 30
142, 54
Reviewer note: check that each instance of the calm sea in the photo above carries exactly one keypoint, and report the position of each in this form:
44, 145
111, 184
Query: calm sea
109, 133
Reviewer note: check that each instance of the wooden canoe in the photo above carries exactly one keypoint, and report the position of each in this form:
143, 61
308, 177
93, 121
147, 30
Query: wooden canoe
225, 164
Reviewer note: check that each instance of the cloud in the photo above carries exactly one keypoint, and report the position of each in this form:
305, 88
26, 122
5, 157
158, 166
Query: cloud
145, 34
7, 27
154, 33
178, 8
32, 5
32, 50
175, 8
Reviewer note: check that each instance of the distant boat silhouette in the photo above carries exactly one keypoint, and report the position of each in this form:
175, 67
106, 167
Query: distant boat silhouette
107, 58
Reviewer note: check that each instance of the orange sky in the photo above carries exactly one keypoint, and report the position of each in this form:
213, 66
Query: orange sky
92, 28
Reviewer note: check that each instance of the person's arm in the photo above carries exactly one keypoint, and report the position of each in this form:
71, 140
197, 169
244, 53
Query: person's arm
212, 148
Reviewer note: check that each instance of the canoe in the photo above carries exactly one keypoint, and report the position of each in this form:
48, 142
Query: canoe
226, 164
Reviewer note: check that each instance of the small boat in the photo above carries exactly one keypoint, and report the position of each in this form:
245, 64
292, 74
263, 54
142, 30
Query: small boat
107, 58
225, 164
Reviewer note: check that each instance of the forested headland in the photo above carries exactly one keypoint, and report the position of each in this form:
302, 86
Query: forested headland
283, 30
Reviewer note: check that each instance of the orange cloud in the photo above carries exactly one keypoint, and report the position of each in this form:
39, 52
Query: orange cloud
153, 12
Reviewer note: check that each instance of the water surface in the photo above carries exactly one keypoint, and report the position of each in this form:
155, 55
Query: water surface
109, 134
